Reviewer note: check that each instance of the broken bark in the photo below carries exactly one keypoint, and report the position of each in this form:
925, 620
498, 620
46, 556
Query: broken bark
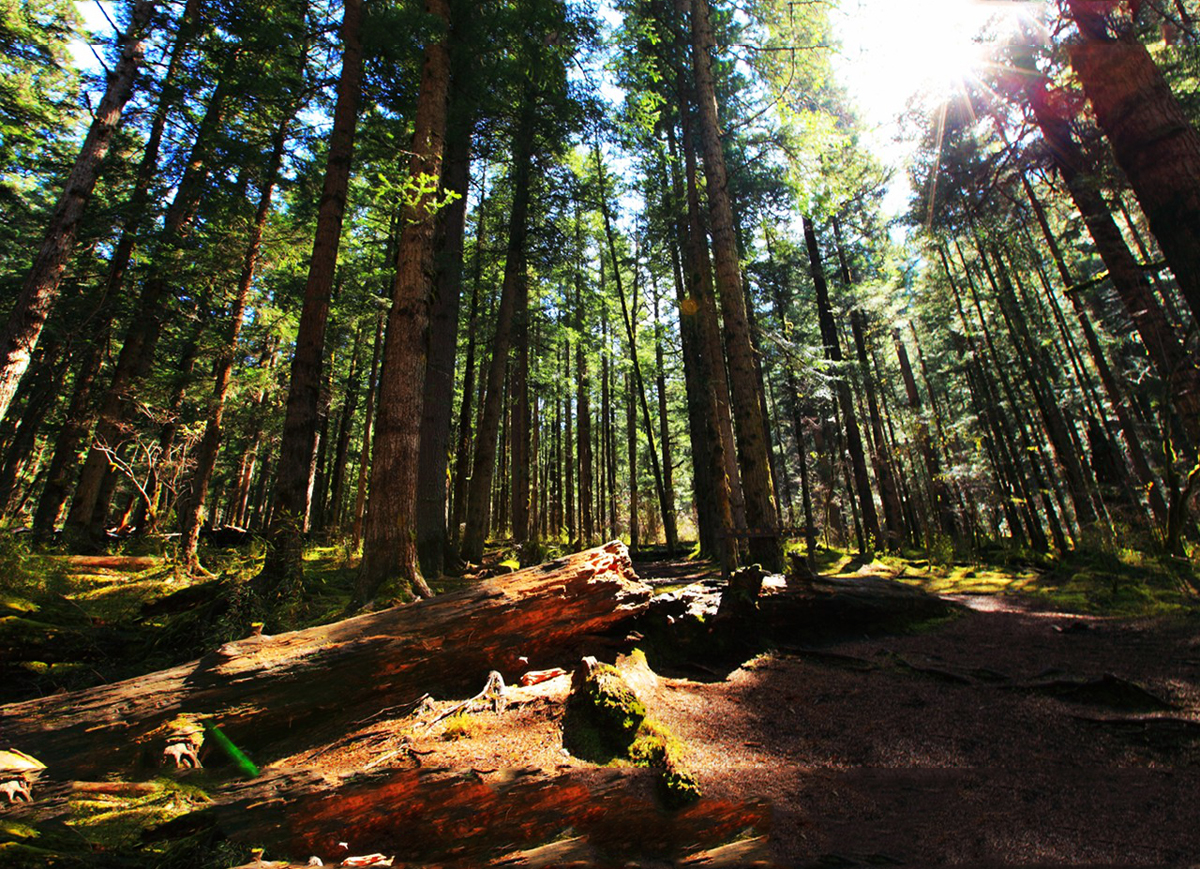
265, 689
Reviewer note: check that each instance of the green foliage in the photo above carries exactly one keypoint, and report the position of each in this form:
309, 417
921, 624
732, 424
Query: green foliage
24, 573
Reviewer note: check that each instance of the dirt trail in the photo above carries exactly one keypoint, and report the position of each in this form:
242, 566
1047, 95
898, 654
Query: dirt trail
979, 742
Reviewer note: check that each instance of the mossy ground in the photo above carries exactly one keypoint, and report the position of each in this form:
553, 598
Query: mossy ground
1121, 582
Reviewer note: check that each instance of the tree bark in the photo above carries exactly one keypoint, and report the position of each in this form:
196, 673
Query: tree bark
433, 539
753, 459
389, 530
1151, 137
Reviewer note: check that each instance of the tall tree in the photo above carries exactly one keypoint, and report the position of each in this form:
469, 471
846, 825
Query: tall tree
282, 570
389, 539
1152, 139
753, 458
28, 316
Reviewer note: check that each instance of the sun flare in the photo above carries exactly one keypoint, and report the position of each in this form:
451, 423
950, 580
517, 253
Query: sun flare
896, 49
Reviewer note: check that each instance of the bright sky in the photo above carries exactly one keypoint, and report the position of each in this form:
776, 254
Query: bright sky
892, 49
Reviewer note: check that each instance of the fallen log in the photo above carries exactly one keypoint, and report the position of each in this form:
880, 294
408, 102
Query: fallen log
461, 818
831, 608
273, 690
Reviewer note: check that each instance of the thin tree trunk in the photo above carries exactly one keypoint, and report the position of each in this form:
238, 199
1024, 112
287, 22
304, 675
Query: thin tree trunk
583, 410
196, 492
833, 352
484, 466
1112, 388
666, 506
145, 326
364, 455
282, 571
939, 493
337, 485
462, 456
631, 445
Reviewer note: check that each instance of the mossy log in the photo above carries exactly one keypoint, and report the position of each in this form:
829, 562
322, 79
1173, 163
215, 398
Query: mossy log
277, 694
466, 818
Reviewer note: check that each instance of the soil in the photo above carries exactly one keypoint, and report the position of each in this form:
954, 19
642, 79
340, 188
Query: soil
1010, 735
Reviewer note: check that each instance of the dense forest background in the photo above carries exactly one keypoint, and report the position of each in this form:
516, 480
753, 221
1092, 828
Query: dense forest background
434, 278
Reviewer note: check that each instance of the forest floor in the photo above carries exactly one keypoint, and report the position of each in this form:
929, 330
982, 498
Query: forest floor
1054, 721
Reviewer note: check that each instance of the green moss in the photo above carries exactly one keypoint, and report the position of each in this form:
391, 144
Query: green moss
117, 820
655, 747
603, 718
678, 788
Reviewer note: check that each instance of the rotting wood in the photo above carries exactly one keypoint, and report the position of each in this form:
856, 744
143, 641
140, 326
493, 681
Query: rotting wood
280, 694
468, 818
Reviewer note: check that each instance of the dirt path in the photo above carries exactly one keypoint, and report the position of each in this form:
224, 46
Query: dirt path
949, 746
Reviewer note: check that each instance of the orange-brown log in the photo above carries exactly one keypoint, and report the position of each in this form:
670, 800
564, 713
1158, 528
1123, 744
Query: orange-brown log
464, 818
268, 693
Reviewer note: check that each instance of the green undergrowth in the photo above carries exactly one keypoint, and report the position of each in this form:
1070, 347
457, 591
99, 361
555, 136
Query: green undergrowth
106, 830
1113, 582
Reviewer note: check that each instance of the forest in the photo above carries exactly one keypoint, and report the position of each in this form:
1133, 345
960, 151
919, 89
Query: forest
791, 504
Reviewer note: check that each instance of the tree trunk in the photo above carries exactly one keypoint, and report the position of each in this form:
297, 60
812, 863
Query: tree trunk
884, 459
259, 689
389, 530
438, 404
583, 410
664, 428
939, 493
145, 326
364, 456
45, 379
1153, 140
196, 492
1162, 344
462, 456
1112, 388
337, 485
80, 416
24, 325
711, 482
484, 466
282, 569
753, 459
833, 352
665, 505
